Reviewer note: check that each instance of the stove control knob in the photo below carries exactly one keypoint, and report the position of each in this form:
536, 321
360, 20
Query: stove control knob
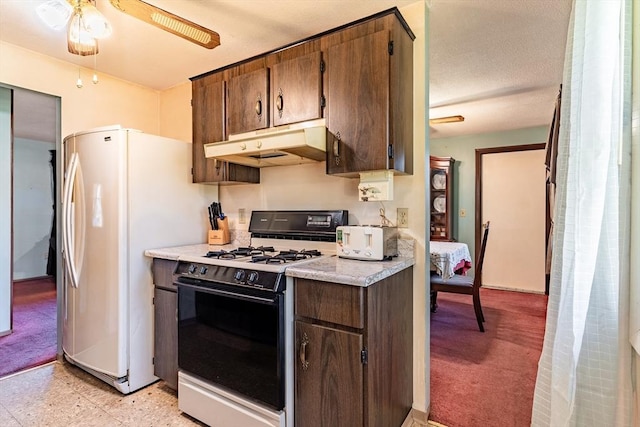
239, 275
192, 269
253, 277
203, 270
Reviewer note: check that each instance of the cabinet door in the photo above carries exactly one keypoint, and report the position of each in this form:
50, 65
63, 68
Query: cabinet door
248, 102
208, 126
329, 389
166, 336
297, 89
357, 111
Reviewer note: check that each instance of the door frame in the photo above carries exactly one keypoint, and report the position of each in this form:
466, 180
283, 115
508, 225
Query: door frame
478, 217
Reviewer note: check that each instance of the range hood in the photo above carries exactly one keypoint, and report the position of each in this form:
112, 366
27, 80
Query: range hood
294, 144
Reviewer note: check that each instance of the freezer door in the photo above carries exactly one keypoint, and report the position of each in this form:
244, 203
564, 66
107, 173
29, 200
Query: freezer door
95, 251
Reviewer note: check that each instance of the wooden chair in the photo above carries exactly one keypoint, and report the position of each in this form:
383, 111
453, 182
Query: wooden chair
460, 284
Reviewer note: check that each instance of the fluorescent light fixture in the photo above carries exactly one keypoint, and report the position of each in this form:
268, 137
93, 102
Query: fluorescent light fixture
448, 119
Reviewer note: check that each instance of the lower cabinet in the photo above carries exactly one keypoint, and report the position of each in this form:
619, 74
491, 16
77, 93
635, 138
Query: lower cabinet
329, 379
165, 300
354, 352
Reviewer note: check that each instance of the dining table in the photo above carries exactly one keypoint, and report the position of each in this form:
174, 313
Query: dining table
449, 258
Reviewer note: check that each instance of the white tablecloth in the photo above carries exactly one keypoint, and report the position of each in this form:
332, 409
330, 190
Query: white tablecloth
446, 256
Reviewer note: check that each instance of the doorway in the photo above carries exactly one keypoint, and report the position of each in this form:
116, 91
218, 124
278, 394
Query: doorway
511, 193
30, 334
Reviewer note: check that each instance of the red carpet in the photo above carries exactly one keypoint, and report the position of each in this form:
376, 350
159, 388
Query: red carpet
486, 379
33, 341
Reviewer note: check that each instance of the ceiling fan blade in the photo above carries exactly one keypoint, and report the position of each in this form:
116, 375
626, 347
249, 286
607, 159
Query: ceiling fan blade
169, 22
446, 119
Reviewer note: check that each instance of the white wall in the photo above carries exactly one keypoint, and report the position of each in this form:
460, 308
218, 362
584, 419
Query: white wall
5, 211
32, 207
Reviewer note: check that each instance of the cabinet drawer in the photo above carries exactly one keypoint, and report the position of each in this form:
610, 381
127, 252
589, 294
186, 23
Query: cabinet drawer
330, 302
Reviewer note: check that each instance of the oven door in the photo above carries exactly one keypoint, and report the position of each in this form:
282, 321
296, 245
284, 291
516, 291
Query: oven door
233, 338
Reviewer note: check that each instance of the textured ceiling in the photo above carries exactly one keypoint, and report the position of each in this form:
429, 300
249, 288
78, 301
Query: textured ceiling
496, 62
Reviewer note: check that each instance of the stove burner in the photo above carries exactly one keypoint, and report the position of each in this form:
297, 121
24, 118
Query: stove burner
220, 254
243, 251
250, 250
285, 256
268, 259
291, 253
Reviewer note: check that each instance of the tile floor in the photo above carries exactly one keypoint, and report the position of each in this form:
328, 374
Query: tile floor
59, 394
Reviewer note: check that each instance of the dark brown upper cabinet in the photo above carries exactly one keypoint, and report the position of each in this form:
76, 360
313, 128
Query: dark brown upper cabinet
359, 77
248, 102
208, 102
369, 98
297, 89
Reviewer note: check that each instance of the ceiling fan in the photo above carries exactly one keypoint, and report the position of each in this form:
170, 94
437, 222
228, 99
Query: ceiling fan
86, 25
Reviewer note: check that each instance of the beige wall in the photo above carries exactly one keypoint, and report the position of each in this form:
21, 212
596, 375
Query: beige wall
513, 199
111, 101
175, 112
295, 187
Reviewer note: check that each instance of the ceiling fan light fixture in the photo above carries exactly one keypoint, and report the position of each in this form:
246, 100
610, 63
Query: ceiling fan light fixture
54, 13
79, 40
95, 22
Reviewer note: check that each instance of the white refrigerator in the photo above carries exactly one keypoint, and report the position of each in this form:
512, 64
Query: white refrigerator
124, 191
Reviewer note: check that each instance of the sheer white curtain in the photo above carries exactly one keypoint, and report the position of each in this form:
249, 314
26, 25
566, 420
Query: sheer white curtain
585, 371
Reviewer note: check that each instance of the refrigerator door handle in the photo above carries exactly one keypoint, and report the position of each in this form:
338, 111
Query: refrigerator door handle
67, 225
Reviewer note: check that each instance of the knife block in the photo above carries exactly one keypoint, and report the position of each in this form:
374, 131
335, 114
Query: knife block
221, 236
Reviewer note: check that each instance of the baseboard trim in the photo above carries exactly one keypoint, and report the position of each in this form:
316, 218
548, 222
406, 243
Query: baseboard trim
503, 288
417, 418
33, 279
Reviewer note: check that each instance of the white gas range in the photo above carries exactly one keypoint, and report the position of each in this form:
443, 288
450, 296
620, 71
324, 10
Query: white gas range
235, 319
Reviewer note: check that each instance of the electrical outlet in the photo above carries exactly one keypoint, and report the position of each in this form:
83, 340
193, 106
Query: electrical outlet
242, 216
403, 217
463, 213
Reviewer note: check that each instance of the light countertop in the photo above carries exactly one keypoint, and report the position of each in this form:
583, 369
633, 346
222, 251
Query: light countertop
180, 252
349, 271
327, 269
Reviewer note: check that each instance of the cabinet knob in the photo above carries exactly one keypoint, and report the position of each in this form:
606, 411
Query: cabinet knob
243, 146
303, 352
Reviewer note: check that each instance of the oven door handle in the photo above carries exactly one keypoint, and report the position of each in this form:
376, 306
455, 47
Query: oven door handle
236, 295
